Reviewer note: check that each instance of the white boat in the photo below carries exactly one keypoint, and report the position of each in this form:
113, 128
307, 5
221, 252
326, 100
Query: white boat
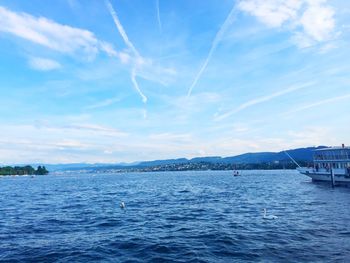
330, 164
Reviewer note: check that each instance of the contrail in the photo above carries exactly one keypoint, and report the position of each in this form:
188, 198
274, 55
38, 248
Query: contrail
315, 104
136, 85
121, 29
158, 16
263, 99
129, 45
214, 44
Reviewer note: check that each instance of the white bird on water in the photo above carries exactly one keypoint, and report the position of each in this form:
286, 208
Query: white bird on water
122, 205
269, 217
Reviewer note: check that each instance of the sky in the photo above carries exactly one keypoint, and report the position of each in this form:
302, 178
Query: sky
131, 80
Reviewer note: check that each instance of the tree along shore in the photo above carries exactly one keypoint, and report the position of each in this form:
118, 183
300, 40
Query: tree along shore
24, 170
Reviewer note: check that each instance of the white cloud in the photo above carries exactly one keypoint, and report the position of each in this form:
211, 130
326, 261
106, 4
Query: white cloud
273, 13
317, 22
43, 64
55, 36
50, 143
124, 57
78, 42
108, 48
311, 136
92, 143
311, 21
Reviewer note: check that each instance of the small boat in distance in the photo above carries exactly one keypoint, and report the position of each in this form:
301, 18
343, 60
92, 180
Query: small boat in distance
236, 173
330, 164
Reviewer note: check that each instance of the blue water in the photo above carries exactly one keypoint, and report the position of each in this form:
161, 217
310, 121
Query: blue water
173, 217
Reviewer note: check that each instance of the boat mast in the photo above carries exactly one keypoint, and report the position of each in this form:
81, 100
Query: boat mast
294, 161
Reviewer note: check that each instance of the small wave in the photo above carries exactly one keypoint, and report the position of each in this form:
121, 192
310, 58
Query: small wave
205, 219
184, 191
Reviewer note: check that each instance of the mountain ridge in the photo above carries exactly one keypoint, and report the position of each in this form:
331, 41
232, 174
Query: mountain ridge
299, 154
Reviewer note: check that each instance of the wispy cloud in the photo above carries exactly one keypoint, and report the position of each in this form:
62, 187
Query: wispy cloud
214, 44
195, 102
103, 103
262, 99
95, 128
311, 135
158, 16
52, 142
43, 64
55, 36
319, 103
311, 21
171, 137
82, 127
74, 4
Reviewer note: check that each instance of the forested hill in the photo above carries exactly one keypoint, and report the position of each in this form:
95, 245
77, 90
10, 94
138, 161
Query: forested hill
300, 154
23, 170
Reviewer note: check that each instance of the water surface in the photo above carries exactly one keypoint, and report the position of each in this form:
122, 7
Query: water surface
173, 217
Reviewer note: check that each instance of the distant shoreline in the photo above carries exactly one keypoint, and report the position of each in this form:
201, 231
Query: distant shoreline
177, 168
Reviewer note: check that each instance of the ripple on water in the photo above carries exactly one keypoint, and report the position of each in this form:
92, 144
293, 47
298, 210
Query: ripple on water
173, 217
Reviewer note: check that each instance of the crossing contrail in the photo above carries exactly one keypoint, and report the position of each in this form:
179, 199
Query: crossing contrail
130, 45
214, 44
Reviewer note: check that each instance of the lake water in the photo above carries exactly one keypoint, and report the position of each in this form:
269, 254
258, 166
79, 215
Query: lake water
173, 217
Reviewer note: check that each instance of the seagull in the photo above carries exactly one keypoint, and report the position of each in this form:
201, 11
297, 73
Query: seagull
269, 217
122, 205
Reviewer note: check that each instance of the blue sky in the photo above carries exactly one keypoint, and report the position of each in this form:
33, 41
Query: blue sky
122, 81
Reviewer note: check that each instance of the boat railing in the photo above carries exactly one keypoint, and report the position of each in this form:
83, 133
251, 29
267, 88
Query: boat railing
311, 170
331, 160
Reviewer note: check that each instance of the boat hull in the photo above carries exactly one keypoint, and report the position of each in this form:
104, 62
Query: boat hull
326, 177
